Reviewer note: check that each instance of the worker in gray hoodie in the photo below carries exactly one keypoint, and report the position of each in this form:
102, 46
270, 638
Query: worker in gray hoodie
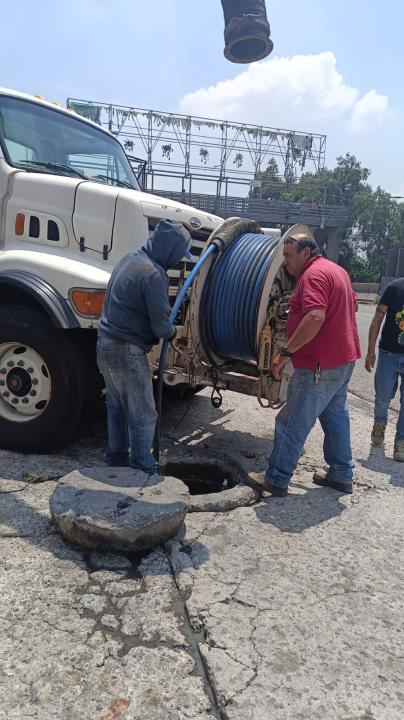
136, 314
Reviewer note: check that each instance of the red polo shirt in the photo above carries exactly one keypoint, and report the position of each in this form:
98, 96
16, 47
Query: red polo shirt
324, 285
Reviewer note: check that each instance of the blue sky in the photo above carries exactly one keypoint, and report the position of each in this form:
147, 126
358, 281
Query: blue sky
336, 67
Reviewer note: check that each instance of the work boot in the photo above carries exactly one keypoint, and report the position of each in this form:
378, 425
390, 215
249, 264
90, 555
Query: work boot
398, 450
323, 478
274, 490
379, 428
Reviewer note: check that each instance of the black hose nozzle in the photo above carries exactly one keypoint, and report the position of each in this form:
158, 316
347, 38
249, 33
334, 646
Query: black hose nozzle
246, 31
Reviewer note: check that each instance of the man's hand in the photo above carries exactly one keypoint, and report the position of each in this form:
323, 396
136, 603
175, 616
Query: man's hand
370, 361
277, 364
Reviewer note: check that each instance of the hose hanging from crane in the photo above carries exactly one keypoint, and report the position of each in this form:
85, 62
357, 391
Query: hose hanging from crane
246, 31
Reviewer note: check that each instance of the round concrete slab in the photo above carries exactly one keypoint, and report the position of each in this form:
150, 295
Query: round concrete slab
118, 508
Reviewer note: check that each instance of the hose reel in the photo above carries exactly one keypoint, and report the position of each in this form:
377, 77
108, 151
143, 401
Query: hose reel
259, 297
240, 302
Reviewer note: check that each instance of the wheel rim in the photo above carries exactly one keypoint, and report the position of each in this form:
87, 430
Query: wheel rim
25, 384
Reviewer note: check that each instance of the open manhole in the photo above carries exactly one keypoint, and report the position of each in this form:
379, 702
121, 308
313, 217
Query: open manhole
214, 484
201, 478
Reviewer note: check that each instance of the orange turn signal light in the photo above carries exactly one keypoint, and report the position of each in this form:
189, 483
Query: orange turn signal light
88, 302
19, 224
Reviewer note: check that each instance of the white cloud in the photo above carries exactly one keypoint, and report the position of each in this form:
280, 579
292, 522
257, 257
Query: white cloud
370, 107
304, 92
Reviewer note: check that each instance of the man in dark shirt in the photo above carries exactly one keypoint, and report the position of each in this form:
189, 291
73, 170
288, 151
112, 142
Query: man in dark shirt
136, 314
390, 364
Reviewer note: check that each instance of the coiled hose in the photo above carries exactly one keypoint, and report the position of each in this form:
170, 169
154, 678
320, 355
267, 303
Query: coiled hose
231, 297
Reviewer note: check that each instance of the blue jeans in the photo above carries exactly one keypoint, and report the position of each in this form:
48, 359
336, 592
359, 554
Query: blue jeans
307, 401
390, 367
131, 409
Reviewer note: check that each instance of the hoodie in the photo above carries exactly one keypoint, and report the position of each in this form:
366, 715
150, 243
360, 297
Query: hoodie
136, 307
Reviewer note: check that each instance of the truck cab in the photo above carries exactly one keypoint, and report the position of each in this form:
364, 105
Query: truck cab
70, 208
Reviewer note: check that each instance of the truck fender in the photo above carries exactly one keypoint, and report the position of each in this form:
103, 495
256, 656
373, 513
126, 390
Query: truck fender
55, 306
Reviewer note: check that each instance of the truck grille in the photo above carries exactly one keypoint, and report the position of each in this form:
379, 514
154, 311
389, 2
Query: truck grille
180, 272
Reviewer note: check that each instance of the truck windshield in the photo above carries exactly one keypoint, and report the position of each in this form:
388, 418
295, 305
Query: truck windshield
40, 139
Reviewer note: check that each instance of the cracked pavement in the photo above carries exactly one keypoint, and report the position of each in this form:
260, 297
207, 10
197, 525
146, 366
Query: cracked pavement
290, 609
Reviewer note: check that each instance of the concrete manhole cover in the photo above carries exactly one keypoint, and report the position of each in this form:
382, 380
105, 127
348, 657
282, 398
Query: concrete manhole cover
118, 508
126, 510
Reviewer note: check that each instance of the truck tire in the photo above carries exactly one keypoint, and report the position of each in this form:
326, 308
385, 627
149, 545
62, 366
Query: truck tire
42, 382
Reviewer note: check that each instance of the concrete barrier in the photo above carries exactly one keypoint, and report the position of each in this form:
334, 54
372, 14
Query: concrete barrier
366, 292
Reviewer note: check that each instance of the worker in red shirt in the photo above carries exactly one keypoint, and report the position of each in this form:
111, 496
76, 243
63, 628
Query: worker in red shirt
323, 344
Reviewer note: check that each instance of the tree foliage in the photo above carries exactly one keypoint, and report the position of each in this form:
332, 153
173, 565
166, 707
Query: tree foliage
375, 220
272, 186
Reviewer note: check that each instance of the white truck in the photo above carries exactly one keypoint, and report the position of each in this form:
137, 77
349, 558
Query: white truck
70, 208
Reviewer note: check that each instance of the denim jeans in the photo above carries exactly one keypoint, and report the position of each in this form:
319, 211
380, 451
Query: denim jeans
308, 400
130, 403
390, 367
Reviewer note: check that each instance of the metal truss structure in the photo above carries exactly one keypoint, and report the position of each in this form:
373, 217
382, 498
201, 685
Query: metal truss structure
194, 154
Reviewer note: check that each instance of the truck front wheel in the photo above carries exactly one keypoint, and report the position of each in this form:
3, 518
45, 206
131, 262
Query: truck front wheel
42, 382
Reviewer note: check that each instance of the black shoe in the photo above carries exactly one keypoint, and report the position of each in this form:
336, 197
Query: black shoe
119, 460
275, 490
324, 480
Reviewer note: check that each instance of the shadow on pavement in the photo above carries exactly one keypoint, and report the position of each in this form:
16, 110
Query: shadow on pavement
194, 422
298, 512
379, 463
19, 520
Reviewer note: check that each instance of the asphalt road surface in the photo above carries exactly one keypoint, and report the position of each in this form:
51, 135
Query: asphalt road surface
288, 609
362, 381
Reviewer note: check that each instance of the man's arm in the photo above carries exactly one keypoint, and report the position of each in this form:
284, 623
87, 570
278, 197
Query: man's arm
374, 330
304, 333
158, 307
306, 330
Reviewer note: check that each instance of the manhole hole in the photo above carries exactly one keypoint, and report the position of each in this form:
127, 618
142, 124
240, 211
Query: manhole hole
215, 485
201, 478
